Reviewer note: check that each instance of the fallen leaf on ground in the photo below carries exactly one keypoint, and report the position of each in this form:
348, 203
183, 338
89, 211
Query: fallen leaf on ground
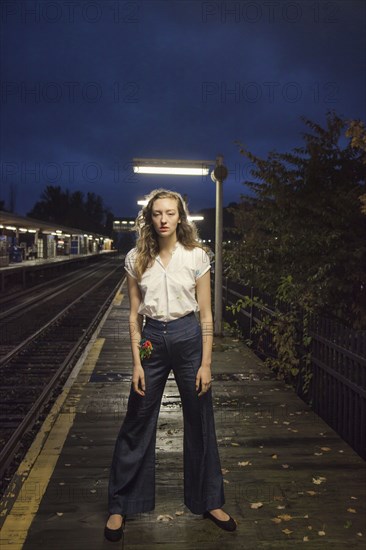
285, 465
224, 471
276, 520
286, 531
246, 463
256, 505
311, 493
164, 517
352, 510
60, 513
274, 456
285, 517
319, 480
321, 533
179, 512
305, 539
235, 444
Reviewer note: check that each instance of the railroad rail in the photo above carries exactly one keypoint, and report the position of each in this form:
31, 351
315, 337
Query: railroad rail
49, 335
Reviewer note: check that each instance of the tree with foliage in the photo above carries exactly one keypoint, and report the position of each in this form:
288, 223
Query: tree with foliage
73, 210
304, 225
357, 132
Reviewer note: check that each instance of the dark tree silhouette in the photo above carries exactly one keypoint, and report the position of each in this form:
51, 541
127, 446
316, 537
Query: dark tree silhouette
73, 210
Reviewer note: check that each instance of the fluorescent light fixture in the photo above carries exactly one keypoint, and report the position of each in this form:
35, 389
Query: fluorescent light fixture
195, 218
23, 229
173, 171
10, 227
1, 226
32, 230
172, 167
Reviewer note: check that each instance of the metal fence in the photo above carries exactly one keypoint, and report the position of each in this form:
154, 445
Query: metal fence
337, 391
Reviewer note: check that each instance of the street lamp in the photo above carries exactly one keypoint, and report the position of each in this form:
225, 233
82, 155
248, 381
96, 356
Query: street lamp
218, 175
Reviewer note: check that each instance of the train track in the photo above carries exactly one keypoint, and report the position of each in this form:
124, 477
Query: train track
48, 336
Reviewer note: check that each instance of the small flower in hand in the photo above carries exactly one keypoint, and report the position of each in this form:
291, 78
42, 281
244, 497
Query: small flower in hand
146, 348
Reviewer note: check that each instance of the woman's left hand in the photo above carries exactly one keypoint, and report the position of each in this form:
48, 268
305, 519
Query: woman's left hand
203, 379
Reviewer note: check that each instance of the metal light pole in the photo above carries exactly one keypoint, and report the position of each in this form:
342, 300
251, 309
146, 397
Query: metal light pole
218, 175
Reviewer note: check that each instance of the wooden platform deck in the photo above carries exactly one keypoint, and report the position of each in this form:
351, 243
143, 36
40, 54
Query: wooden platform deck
289, 478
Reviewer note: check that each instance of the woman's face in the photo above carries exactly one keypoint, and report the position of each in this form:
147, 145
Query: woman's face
165, 216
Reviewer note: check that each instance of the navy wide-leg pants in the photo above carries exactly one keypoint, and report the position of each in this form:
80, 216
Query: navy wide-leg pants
177, 345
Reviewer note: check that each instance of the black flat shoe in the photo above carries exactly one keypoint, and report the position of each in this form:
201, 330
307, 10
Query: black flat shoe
228, 525
114, 535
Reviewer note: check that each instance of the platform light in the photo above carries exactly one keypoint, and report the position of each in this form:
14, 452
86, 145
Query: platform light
10, 227
58, 231
32, 230
23, 229
173, 167
131, 223
1, 226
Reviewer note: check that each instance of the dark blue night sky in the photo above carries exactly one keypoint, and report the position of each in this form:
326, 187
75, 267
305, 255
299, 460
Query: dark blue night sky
88, 85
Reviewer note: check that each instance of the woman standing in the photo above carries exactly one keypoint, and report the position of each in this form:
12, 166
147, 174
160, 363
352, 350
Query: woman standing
166, 270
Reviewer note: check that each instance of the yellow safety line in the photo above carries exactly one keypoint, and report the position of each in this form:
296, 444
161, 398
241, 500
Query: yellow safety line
43, 455
118, 299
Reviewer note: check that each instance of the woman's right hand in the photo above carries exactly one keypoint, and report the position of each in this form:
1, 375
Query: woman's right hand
138, 378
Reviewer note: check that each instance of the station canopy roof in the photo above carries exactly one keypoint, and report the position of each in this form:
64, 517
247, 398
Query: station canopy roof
11, 219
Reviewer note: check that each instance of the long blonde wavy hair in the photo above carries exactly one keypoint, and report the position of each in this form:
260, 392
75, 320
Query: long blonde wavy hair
147, 244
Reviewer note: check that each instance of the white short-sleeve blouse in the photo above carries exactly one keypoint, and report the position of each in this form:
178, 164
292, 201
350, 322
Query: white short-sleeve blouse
169, 293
